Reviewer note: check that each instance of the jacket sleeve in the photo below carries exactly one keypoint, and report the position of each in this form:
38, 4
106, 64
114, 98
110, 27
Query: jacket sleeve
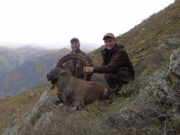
87, 77
118, 60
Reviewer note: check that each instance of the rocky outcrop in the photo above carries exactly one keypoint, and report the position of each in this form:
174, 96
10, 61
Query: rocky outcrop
45, 100
162, 92
12, 129
166, 84
45, 103
171, 43
134, 114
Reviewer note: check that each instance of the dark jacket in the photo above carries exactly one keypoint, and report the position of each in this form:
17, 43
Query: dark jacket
76, 67
115, 60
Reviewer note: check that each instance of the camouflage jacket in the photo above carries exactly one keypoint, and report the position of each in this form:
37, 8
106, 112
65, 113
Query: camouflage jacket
76, 67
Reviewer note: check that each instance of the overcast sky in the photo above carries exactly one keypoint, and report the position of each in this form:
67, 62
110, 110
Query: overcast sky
49, 21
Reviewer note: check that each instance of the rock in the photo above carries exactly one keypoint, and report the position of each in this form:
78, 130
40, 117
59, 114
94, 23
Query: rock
143, 41
163, 45
45, 102
174, 66
143, 28
45, 121
168, 21
171, 43
165, 85
136, 114
12, 129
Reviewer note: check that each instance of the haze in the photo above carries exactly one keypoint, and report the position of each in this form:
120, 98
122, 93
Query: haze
48, 22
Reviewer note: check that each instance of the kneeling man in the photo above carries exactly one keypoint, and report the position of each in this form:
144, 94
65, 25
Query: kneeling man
116, 64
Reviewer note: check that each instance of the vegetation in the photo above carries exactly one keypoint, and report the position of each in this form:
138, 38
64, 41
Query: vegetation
9, 59
30, 74
149, 46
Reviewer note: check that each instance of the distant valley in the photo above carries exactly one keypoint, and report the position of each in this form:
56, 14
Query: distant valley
25, 67
9, 59
13, 58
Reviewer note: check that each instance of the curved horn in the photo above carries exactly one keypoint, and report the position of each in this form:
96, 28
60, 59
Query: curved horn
80, 57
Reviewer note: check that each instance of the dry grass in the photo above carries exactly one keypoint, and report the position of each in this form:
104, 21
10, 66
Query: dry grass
22, 102
90, 120
145, 116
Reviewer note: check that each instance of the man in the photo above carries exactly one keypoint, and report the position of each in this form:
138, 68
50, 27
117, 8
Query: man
116, 64
75, 66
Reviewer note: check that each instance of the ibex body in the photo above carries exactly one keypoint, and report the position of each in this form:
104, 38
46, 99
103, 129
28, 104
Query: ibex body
75, 91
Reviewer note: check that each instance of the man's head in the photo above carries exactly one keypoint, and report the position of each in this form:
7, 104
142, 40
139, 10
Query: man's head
75, 44
109, 40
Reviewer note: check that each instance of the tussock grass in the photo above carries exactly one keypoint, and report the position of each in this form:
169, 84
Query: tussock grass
23, 101
143, 44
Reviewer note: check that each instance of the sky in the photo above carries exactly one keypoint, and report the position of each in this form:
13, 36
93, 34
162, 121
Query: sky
57, 21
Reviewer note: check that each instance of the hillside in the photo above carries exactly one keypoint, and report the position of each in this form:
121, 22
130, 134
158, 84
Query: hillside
29, 52
30, 74
9, 60
153, 109
150, 43
13, 58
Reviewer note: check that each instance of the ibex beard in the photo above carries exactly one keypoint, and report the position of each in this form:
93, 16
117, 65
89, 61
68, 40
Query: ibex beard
53, 77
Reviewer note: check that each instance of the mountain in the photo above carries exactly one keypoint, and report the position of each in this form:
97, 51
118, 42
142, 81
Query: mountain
31, 51
29, 74
150, 46
85, 47
9, 59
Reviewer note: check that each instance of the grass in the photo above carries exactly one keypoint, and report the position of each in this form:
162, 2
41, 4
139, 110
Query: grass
143, 44
23, 101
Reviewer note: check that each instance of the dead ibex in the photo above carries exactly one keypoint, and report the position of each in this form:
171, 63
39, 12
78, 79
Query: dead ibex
75, 91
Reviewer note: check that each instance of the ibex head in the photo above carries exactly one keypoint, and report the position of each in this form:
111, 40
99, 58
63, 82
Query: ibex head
55, 73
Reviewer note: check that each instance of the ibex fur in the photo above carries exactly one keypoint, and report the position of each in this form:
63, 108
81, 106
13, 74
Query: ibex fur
75, 91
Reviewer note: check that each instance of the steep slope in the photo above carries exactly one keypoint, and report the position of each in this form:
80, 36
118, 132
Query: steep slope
9, 59
125, 115
30, 74
10, 105
34, 111
21, 105
150, 43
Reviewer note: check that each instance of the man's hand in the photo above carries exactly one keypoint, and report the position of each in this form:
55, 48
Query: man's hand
88, 69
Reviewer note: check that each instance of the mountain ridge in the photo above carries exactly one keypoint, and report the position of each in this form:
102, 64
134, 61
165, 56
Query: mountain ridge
131, 114
29, 74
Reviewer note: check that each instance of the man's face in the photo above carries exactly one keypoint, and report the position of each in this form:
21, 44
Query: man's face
75, 46
110, 43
